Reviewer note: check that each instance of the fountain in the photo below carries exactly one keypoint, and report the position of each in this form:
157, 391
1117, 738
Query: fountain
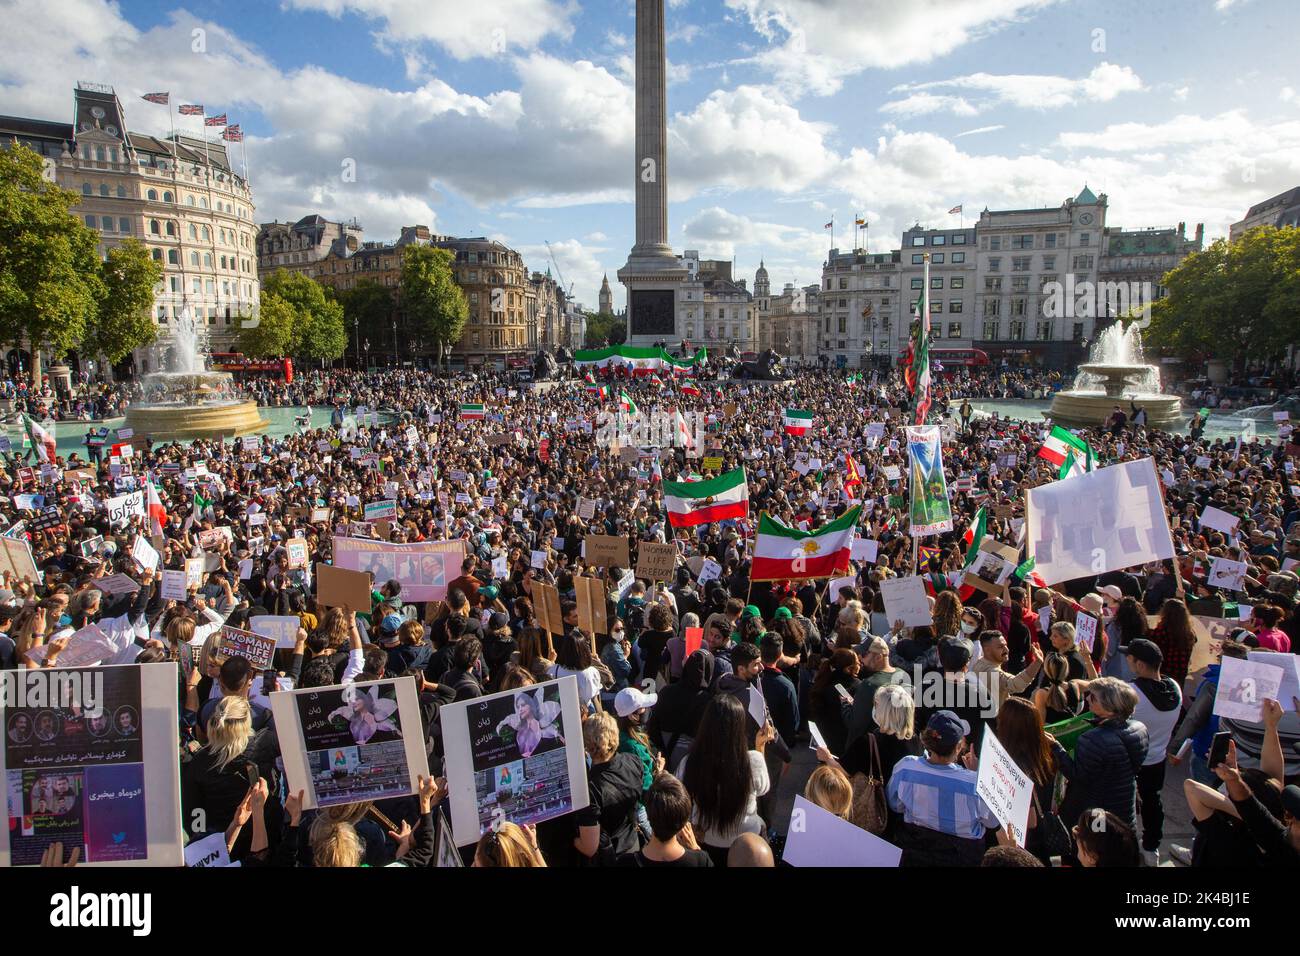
190, 402
1116, 375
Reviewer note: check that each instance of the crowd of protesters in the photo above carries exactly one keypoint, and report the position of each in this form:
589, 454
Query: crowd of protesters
680, 771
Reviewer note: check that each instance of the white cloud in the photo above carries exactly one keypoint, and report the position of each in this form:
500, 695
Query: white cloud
1027, 91
464, 30
1180, 94
1222, 5
1181, 130
978, 130
814, 45
1287, 94
719, 233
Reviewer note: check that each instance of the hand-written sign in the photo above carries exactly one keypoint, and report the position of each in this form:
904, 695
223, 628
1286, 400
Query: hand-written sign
656, 561
255, 648
607, 551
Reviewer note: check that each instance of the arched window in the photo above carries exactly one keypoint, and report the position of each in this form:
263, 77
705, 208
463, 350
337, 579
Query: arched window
153, 195
203, 201
194, 231
154, 228
103, 189
207, 259
167, 195
194, 258
86, 190
121, 192
189, 200
173, 258
207, 233
157, 255
99, 154
171, 228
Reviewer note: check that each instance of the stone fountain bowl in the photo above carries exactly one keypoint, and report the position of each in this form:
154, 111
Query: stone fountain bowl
1112, 370
189, 407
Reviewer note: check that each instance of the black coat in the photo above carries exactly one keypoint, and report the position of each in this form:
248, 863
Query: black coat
1103, 771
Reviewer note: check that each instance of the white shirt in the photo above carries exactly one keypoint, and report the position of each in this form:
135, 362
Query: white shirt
751, 822
1159, 724
589, 684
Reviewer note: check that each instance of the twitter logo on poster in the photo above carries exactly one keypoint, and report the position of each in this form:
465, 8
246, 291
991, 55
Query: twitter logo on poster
119, 837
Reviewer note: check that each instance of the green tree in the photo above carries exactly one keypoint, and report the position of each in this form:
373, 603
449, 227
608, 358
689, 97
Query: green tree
50, 282
317, 326
272, 336
1234, 301
124, 321
367, 310
604, 329
434, 303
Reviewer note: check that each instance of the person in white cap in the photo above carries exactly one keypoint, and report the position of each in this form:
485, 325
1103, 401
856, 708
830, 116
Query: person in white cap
633, 709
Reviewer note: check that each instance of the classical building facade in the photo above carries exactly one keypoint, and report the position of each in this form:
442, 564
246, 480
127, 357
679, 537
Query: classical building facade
1026, 257
1145, 256
180, 196
492, 275
714, 309
858, 307
1279, 211
953, 274
294, 246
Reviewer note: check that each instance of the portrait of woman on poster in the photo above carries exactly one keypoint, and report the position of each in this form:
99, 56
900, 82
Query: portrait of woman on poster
533, 721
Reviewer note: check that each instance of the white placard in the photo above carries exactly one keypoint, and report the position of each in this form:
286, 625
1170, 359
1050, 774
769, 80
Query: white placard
1289, 689
833, 591
710, 570
905, 601
210, 852
865, 549
1106, 520
1085, 629
1219, 520
282, 627
522, 741
819, 838
1004, 787
500, 566
1243, 688
370, 734
173, 586
1229, 574
539, 560
144, 553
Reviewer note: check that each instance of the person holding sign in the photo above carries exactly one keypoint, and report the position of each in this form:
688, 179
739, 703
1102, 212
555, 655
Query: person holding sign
1159, 705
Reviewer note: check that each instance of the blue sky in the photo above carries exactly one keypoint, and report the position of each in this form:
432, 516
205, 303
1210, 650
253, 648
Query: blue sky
513, 118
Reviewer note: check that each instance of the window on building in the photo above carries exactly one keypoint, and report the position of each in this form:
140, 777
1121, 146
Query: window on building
1019, 306
171, 228
1085, 238
1049, 240
918, 283
194, 260
157, 255
939, 241
992, 284
1020, 284
152, 194
167, 196
123, 224
1043, 331
918, 240
207, 259
936, 306
189, 200
1049, 262
959, 239
958, 258
995, 264
954, 330
173, 258
991, 330
90, 221
954, 305
844, 283
957, 282
995, 243
1022, 242
992, 306
1017, 331
936, 282
207, 233
1082, 263
918, 258
937, 258
1021, 263
155, 227
106, 223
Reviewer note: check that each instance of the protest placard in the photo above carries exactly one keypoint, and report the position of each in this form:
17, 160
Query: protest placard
123, 507
1289, 689
296, 549
194, 568
1219, 520
1106, 520
590, 596
116, 584
819, 838
992, 568
254, 648
173, 586
586, 508
423, 567
375, 510
710, 570
85, 647
281, 628
351, 743
1004, 787
694, 638
514, 757
144, 554
114, 734
607, 551
905, 601
537, 559
208, 853
1228, 574
865, 549
1085, 629
1243, 688
341, 587
833, 589
655, 560
546, 606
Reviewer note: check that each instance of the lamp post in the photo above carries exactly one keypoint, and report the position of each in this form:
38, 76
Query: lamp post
395, 341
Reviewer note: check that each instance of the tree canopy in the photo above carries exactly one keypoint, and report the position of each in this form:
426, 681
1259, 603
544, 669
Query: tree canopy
434, 303
1237, 301
124, 320
315, 327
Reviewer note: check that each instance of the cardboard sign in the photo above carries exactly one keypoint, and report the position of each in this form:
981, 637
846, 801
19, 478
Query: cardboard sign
281, 628
656, 561
296, 549
194, 568
592, 607
256, 649
339, 587
546, 605
375, 510
368, 736
1004, 787
607, 551
992, 567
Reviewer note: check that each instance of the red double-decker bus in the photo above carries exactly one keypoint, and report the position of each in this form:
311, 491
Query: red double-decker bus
953, 358
242, 367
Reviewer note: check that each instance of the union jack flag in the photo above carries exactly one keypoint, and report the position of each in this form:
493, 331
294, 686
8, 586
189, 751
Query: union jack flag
233, 134
190, 109
160, 98
215, 120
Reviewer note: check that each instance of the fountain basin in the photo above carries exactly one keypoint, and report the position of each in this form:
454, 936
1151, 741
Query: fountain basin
1116, 375
182, 406
1076, 409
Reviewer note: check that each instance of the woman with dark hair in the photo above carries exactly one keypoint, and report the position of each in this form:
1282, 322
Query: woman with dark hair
1057, 697
676, 715
1020, 731
574, 658
1175, 638
535, 655
830, 709
1103, 839
1128, 625
724, 777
